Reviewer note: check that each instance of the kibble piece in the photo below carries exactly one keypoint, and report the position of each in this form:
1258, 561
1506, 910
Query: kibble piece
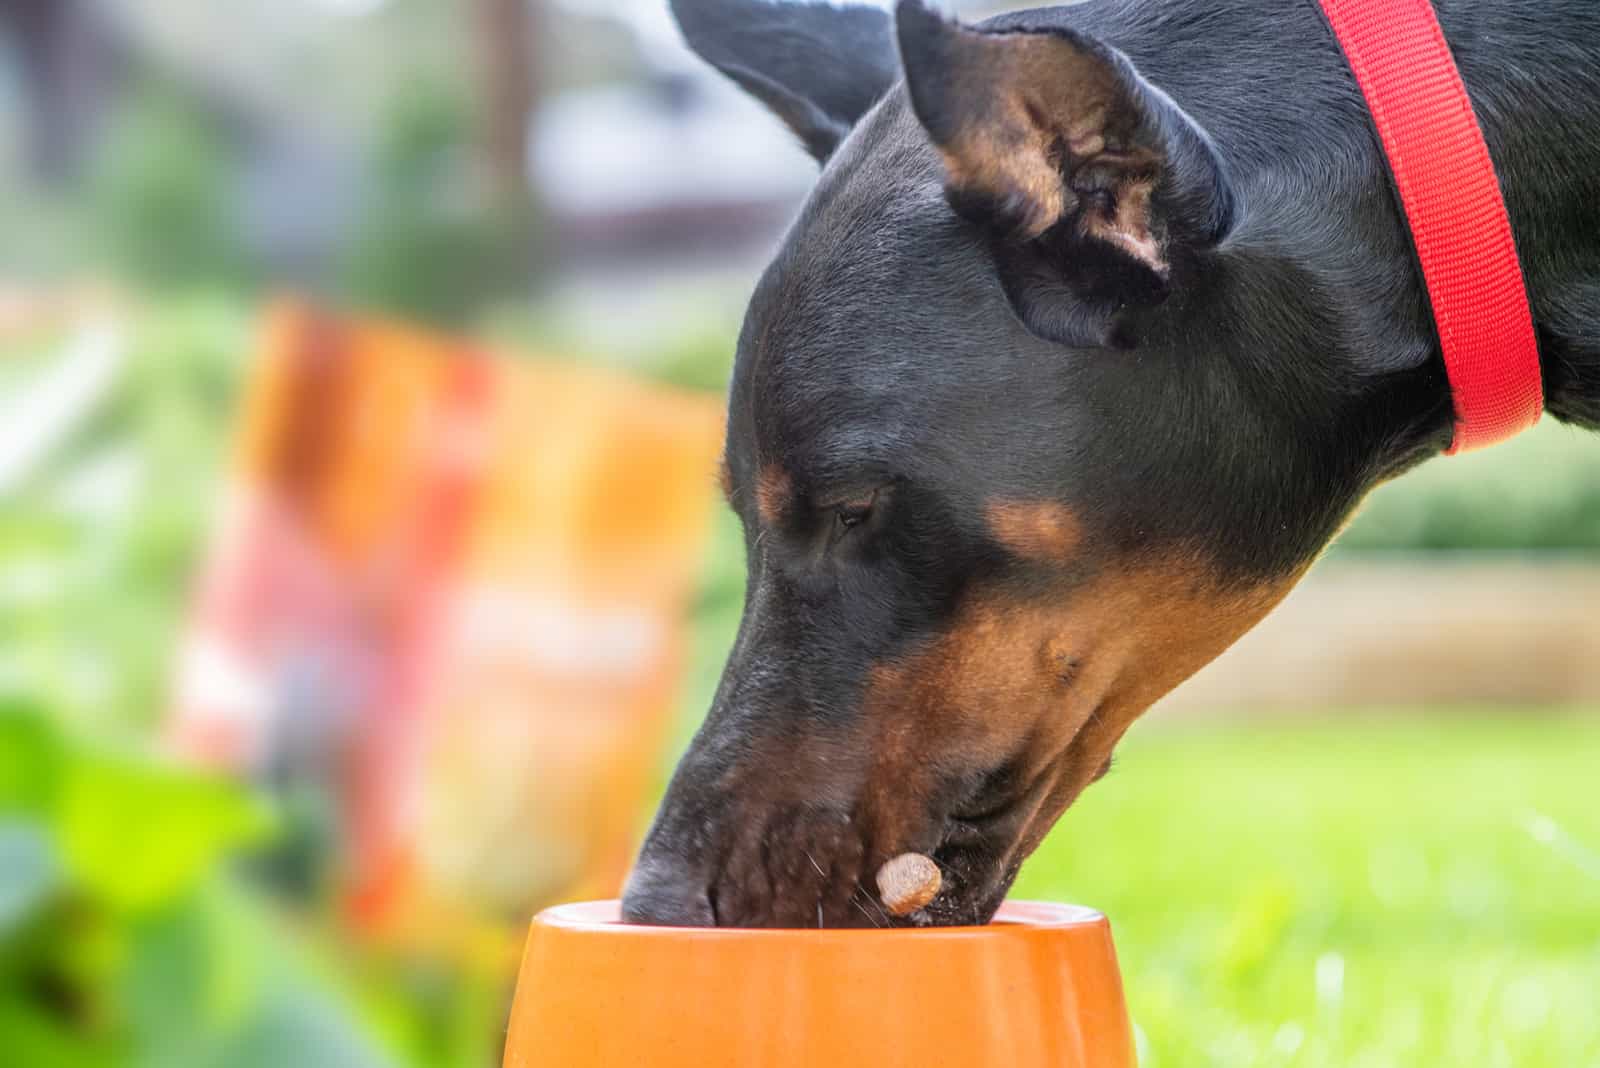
908, 882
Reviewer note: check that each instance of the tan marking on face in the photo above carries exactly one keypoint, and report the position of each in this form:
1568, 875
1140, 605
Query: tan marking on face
773, 488
1040, 531
1048, 685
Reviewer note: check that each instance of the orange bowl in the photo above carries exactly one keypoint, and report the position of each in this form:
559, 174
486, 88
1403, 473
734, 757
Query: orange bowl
1038, 986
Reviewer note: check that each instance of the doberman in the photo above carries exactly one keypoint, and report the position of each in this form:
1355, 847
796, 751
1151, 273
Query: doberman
1099, 323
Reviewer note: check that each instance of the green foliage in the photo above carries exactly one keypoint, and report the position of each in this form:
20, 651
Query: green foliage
1538, 491
428, 245
681, 339
127, 936
120, 506
122, 939
1361, 891
29, 873
163, 201
696, 359
30, 760
133, 834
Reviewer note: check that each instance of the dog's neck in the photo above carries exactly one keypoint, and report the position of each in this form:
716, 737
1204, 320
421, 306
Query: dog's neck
1535, 83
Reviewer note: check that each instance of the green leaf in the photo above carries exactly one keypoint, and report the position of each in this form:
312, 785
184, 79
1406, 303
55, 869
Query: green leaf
300, 1025
219, 983
29, 873
196, 973
29, 1038
136, 836
31, 761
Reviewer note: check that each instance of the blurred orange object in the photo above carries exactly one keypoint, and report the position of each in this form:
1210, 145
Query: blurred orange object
452, 587
1039, 986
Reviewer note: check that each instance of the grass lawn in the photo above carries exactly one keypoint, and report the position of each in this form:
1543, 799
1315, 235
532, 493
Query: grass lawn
1355, 892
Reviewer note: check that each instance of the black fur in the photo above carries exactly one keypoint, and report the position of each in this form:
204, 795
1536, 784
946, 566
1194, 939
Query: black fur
896, 343
819, 68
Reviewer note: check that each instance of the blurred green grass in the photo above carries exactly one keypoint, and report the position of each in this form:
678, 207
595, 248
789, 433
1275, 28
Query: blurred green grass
1403, 889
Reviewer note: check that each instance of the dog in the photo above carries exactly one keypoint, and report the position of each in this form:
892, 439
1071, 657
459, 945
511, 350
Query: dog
1099, 323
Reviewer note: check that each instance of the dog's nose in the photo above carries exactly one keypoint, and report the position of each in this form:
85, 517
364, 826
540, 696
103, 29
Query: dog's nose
667, 895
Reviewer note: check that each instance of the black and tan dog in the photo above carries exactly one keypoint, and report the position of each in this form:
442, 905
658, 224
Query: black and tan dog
1099, 323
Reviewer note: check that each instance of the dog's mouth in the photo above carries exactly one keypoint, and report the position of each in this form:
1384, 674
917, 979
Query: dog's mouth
741, 859
973, 883
809, 868
977, 855
794, 831
985, 842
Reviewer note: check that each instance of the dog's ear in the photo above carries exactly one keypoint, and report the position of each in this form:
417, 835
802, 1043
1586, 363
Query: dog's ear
818, 67
1089, 178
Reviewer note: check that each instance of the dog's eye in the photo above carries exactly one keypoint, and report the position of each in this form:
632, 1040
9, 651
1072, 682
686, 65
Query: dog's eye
853, 513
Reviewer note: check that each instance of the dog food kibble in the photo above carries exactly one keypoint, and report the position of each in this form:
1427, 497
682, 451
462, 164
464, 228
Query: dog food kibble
908, 882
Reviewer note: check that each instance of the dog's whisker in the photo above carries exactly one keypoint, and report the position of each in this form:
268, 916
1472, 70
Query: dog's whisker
864, 892
862, 908
814, 863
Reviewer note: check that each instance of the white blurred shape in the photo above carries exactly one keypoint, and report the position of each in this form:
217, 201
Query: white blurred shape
102, 487
1547, 831
1526, 1005
1330, 979
560, 637
626, 149
226, 685
654, 29
38, 416
352, 8
1288, 1038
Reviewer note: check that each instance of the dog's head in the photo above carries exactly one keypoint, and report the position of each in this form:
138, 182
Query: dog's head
1028, 422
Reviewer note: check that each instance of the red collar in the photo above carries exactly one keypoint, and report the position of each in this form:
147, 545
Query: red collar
1457, 215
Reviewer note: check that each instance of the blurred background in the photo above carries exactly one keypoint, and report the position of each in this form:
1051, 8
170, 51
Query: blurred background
361, 577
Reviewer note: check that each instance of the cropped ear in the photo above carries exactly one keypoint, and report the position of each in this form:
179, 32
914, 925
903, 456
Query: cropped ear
818, 67
1053, 141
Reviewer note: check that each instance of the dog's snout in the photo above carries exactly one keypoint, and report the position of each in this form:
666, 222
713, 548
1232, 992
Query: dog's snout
666, 894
